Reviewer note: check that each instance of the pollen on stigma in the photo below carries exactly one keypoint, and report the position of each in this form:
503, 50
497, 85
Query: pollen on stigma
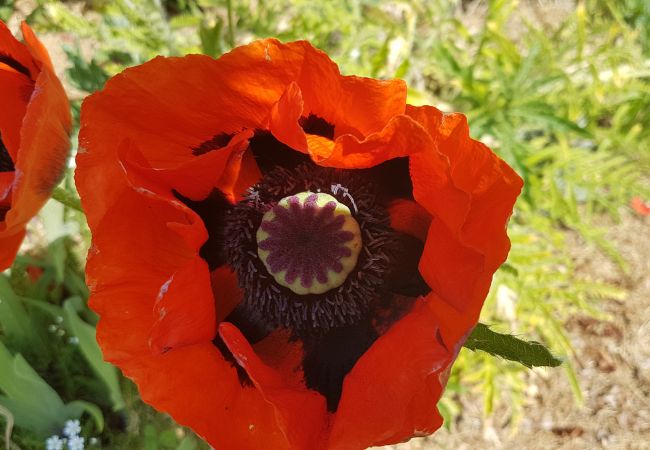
309, 242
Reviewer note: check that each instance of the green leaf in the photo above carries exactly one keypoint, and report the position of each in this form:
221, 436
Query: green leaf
529, 353
75, 283
540, 113
52, 310
57, 254
77, 407
509, 268
33, 403
14, 320
91, 351
402, 69
88, 76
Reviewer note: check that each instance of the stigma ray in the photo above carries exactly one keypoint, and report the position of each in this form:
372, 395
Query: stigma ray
346, 194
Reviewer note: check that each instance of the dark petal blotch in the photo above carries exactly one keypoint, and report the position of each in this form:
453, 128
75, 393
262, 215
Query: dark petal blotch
11, 62
212, 210
270, 153
6, 164
312, 124
218, 141
404, 277
329, 359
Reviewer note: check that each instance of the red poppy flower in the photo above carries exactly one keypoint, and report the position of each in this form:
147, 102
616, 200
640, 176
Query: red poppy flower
641, 207
34, 126
284, 257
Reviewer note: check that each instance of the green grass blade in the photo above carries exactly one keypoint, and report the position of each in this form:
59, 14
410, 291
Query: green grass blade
91, 351
14, 320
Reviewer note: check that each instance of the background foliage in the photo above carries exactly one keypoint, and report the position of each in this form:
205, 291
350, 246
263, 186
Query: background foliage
565, 100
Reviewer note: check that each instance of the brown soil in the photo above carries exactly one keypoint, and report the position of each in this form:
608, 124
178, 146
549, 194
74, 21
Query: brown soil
612, 363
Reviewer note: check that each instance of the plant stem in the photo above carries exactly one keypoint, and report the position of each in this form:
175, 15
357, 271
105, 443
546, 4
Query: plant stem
231, 29
67, 198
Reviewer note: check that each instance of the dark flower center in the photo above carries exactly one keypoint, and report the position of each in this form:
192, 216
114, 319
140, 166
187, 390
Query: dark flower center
307, 260
314, 253
309, 242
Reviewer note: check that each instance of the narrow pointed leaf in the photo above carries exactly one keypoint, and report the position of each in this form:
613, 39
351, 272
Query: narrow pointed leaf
529, 353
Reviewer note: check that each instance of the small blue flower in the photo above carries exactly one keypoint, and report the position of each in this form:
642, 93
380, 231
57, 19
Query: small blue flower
72, 428
76, 443
54, 443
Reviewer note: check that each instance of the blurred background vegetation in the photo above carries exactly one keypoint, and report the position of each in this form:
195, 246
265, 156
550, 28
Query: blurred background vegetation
564, 98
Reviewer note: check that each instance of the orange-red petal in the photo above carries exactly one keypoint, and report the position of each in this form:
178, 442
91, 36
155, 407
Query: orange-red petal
36, 48
401, 136
409, 217
15, 92
131, 260
391, 393
13, 48
199, 389
44, 148
34, 128
470, 193
178, 322
343, 101
314, 86
301, 413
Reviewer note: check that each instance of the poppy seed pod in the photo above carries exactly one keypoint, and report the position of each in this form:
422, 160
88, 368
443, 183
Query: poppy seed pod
34, 141
284, 257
